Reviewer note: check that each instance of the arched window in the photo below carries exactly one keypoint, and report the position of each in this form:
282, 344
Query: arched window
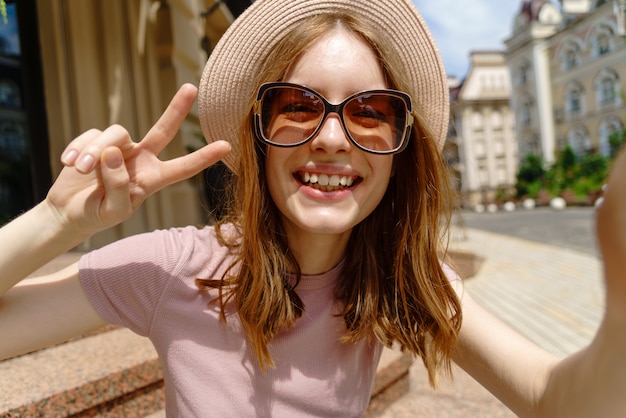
602, 40
578, 139
574, 100
570, 55
607, 86
607, 128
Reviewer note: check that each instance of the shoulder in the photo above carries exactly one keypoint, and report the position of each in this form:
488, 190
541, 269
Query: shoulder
170, 249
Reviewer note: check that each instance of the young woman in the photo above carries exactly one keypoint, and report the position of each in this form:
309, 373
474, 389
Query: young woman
333, 115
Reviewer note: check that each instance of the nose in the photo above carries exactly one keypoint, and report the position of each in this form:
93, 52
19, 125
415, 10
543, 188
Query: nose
331, 138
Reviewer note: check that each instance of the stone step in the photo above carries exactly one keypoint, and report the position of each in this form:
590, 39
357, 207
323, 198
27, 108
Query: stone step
117, 373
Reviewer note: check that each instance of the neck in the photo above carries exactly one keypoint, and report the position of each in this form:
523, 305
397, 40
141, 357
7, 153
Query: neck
318, 253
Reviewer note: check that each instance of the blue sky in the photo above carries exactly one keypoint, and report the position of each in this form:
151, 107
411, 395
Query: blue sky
462, 26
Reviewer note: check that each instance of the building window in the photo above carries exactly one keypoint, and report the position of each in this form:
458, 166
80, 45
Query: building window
574, 98
480, 150
570, 56
578, 139
523, 74
501, 173
499, 147
573, 101
483, 175
477, 122
607, 85
497, 121
602, 40
607, 91
603, 44
607, 128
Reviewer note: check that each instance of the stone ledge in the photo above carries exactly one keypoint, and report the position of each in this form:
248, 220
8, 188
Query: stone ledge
97, 372
117, 373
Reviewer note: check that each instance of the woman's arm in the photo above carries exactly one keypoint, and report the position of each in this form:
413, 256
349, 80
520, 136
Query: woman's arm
593, 381
106, 177
511, 367
534, 383
41, 312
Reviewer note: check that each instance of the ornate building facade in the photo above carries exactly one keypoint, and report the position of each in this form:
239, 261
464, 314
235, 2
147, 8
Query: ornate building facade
568, 67
588, 69
561, 81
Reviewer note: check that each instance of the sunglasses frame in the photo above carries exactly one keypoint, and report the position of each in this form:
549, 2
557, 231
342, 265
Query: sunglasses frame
334, 108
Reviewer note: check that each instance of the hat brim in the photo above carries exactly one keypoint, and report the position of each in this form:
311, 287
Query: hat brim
228, 78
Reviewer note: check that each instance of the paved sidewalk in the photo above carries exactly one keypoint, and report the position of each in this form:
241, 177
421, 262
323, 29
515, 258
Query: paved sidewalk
554, 296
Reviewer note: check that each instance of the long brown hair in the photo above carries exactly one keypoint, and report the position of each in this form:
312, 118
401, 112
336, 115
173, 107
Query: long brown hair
392, 286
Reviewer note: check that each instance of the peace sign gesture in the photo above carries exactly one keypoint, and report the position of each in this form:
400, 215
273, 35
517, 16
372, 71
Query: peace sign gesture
107, 175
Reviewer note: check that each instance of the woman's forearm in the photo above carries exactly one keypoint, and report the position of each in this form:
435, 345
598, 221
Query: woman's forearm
590, 382
30, 241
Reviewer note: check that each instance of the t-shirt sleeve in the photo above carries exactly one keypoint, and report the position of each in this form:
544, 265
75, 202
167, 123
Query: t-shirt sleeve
125, 281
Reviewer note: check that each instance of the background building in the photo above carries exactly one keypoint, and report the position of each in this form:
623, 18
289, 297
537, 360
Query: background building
527, 56
588, 70
568, 67
559, 83
487, 148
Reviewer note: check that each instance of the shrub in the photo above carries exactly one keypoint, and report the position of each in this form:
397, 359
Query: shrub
530, 172
616, 140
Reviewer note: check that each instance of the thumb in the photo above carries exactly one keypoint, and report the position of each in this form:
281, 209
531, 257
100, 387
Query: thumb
117, 204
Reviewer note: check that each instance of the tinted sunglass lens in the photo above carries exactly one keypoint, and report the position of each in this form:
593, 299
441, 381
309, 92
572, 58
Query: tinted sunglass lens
289, 116
376, 121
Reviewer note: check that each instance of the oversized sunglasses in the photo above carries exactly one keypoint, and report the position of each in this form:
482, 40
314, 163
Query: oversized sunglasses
376, 121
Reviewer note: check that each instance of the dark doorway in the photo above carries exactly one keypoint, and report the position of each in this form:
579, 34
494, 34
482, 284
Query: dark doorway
24, 154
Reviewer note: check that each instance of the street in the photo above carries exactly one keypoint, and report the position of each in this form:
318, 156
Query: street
571, 228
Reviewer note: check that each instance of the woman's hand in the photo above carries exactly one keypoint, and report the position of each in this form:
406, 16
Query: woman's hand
611, 229
107, 175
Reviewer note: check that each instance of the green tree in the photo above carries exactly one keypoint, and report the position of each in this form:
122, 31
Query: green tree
530, 174
616, 140
3, 11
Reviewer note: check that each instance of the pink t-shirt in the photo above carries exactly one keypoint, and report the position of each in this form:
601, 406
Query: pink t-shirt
147, 283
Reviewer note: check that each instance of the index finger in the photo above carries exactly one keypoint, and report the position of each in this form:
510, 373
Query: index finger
168, 124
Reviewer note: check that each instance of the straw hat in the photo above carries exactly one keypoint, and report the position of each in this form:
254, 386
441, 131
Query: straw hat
227, 81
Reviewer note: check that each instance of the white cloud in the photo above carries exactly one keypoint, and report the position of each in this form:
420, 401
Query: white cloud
460, 27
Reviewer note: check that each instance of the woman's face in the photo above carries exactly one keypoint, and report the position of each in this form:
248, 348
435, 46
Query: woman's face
301, 179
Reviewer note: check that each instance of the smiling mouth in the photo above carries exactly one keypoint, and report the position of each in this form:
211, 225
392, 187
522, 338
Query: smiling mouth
326, 182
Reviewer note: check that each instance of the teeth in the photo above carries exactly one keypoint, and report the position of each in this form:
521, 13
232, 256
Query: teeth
324, 180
